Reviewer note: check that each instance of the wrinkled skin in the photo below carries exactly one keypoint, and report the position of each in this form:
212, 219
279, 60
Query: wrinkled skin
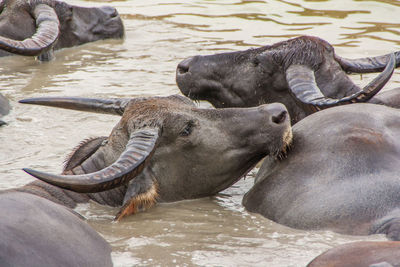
360, 254
37, 232
199, 152
341, 174
257, 76
4, 108
78, 25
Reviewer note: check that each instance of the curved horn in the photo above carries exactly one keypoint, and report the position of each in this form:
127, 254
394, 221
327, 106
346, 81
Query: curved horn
302, 84
96, 105
46, 35
138, 151
366, 64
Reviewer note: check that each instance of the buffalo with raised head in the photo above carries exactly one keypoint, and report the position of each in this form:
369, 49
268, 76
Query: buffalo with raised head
360, 254
36, 28
341, 174
163, 149
303, 73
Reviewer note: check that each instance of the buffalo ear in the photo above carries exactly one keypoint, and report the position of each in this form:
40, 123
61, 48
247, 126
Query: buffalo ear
47, 32
137, 154
302, 84
82, 152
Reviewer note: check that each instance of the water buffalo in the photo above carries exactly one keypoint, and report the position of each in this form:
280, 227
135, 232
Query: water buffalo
303, 73
37, 232
360, 254
4, 108
341, 174
166, 149
36, 28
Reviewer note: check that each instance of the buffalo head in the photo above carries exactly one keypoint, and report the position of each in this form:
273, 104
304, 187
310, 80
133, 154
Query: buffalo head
166, 148
303, 73
35, 28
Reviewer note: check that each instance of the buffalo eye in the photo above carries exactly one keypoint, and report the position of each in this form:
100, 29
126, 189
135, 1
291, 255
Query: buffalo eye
188, 129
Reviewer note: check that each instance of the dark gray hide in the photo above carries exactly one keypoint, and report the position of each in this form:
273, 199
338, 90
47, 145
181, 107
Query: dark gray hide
169, 149
303, 73
4, 108
38, 232
341, 174
35, 28
360, 254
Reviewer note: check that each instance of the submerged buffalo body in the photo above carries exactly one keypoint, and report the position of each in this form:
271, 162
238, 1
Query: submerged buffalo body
35, 28
360, 254
37, 232
303, 73
164, 149
341, 174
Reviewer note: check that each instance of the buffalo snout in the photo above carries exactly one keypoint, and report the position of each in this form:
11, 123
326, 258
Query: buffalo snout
278, 113
109, 11
184, 65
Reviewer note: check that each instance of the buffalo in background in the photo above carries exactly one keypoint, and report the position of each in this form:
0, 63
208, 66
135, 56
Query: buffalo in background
36, 28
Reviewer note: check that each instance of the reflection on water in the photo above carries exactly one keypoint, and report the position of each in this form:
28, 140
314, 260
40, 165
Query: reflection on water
214, 231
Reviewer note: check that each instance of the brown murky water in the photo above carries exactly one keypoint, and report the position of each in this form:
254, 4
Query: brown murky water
214, 231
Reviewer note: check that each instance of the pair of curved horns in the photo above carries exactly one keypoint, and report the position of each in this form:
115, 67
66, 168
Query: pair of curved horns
138, 151
301, 80
47, 32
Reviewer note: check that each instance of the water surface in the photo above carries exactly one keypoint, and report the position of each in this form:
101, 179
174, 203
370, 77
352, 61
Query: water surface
214, 231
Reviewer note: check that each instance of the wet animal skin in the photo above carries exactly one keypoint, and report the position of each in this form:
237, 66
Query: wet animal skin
133, 167
304, 73
37, 28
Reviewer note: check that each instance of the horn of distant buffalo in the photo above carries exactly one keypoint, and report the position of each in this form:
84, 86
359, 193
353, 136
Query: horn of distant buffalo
98, 105
302, 84
366, 64
137, 153
47, 32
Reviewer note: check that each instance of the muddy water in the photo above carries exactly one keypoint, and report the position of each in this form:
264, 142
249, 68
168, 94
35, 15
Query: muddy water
213, 231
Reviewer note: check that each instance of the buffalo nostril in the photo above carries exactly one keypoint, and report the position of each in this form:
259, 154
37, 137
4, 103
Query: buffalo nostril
109, 12
184, 65
182, 69
281, 117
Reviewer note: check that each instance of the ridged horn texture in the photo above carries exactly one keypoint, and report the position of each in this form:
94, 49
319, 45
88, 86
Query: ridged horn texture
366, 64
96, 105
302, 83
47, 32
138, 151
